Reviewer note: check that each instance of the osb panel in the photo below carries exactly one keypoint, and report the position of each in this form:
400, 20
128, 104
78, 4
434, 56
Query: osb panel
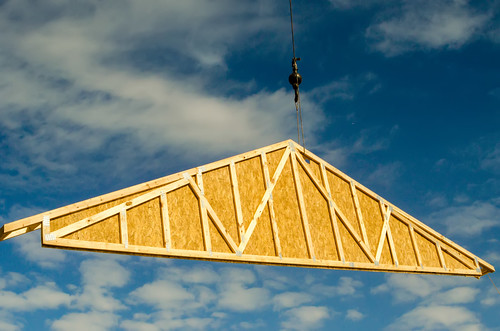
60, 222
352, 251
251, 184
261, 242
386, 256
466, 258
452, 263
286, 208
144, 224
218, 243
273, 159
107, 231
428, 251
185, 220
315, 168
402, 241
341, 194
219, 193
318, 215
372, 218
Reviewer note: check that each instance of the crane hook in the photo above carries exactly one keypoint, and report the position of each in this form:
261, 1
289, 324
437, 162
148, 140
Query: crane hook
295, 78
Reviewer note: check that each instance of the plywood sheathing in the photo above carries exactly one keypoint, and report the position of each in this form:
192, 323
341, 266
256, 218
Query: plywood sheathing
279, 204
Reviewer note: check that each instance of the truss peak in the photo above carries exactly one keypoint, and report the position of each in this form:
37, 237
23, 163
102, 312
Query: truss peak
279, 205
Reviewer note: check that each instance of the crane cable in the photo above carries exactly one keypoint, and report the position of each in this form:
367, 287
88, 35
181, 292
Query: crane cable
295, 79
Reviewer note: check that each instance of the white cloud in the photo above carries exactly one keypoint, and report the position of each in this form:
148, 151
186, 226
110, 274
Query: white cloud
290, 300
306, 317
138, 326
238, 297
458, 295
354, 315
164, 295
385, 175
12, 279
347, 286
437, 317
491, 161
74, 78
469, 220
7, 322
432, 289
85, 321
46, 296
99, 276
31, 248
427, 25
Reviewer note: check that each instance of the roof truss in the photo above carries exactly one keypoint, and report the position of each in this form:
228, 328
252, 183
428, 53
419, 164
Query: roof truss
280, 204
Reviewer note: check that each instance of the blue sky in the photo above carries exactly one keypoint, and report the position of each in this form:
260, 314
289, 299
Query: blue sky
403, 96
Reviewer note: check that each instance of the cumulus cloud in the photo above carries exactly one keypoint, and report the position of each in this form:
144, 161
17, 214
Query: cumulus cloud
45, 296
438, 317
237, 291
426, 25
346, 286
99, 276
469, 220
85, 321
29, 246
354, 315
71, 76
290, 300
306, 317
407, 288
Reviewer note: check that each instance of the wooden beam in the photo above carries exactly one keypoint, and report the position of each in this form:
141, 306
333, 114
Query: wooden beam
10, 230
123, 227
218, 224
79, 225
415, 245
342, 217
205, 229
359, 214
302, 207
265, 198
440, 254
274, 226
333, 217
237, 200
247, 258
165, 221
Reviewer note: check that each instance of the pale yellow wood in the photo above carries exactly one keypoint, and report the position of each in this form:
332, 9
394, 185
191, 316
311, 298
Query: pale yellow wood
237, 200
446, 248
265, 198
359, 214
37, 219
333, 217
21, 231
302, 207
440, 254
432, 235
228, 257
218, 224
405, 217
115, 210
415, 245
123, 227
203, 210
342, 217
274, 226
389, 233
165, 221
